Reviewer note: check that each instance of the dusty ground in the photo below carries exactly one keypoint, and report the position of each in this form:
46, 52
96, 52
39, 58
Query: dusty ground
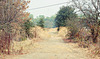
52, 47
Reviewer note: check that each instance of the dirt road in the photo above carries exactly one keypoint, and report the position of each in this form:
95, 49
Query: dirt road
55, 48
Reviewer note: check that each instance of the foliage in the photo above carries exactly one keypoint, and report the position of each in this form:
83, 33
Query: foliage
90, 10
23, 39
49, 22
65, 13
67, 17
73, 26
12, 16
27, 25
41, 22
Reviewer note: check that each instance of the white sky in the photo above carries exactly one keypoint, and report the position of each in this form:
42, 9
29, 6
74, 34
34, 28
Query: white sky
49, 11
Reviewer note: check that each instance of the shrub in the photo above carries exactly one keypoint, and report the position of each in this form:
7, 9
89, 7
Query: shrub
5, 43
23, 39
27, 25
73, 27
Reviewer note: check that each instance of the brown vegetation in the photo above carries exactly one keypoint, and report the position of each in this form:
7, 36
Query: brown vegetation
12, 16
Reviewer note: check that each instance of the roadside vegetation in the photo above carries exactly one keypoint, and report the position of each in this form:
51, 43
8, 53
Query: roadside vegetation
80, 21
12, 17
84, 28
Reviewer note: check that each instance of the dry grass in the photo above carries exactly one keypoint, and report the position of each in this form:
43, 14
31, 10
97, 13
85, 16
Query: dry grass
40, 32
23, 46
27, 45
63, 32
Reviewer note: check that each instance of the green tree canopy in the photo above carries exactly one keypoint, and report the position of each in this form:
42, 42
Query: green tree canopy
27, 25
41, 22
50, 21
65, 13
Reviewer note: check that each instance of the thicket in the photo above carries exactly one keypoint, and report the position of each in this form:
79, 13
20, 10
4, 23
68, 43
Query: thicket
90, 33
12, 16
27, 26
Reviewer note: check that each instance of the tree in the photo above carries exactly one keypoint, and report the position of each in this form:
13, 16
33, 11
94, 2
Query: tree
65, 13
91, 11
49, 22
41, 23
12, 16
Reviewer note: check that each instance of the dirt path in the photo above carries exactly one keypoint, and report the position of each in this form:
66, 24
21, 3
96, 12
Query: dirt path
55, 48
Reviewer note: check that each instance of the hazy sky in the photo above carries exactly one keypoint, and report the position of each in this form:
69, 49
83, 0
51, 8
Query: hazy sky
49, 11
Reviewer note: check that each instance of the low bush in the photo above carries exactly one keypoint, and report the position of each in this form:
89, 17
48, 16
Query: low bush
73, 27
85, 41
23, 39
5, 43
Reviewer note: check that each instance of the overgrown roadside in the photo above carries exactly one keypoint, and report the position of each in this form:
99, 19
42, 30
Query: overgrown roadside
54, 47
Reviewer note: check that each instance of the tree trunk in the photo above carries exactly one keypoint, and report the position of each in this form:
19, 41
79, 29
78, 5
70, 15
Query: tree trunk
58, 29
94, 35
9, 40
